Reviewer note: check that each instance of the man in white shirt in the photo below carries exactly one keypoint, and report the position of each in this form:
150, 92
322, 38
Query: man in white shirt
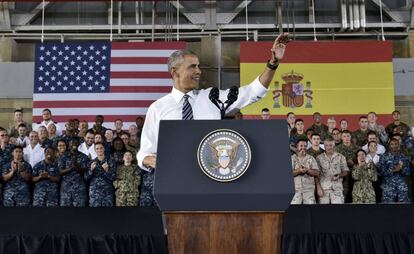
88, 147
184, 68
33, 153
372, 137
47, 120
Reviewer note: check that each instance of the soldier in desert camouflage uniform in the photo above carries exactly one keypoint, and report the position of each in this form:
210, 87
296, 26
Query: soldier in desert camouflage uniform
333, 168
127, 182
305, 169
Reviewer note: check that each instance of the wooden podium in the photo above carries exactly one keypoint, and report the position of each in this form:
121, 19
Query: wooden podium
224, 232
206, 216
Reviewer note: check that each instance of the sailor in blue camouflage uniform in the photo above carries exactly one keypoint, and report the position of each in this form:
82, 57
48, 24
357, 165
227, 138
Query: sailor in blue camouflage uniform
394, 166
5, 147
101, 175
72, 166
16, 175
46, 177
5, 154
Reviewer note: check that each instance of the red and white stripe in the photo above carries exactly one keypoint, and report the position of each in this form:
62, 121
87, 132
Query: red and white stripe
139, 76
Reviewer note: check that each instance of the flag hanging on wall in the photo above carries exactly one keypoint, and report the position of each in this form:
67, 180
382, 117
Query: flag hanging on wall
84, 79
345, 79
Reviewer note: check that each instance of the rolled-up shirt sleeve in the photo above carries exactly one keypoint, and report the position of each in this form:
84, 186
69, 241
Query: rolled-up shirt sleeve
149, 137
248, 94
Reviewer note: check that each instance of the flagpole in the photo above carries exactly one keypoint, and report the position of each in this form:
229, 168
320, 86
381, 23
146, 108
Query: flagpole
247, 23
314, 20
382, 24
111, 20
42, 37
178, 20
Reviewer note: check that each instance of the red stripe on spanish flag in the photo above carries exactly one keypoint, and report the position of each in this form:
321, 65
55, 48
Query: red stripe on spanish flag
320, 52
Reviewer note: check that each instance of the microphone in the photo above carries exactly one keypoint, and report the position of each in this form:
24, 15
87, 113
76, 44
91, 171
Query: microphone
214, 96
232, 96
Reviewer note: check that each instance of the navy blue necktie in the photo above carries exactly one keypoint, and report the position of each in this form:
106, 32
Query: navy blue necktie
187, 110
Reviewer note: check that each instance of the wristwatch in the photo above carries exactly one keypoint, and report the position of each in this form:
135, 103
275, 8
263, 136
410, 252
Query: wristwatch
272, 66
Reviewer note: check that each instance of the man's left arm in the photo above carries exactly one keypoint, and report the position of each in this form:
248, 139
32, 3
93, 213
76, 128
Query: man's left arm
260, 86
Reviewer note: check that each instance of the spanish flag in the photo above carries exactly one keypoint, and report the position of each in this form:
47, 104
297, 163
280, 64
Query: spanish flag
345, 79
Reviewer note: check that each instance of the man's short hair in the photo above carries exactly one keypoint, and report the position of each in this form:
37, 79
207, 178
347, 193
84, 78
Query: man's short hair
395, 135
177, 57
394, 139
22, 125
316, 113
17, 147
363, 117
310, 130
346, 132
290, 113
265, 110
299, 120
315, 134
372, 112
396, 111
90, 132
301, 140
47, 110
18, 110
371, 133
329, 139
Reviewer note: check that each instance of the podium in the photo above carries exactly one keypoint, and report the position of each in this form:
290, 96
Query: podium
208, 216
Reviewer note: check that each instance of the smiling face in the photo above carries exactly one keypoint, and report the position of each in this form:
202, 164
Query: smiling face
186, 75
99, 149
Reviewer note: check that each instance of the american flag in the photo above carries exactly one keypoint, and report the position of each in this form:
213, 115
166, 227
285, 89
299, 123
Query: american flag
85, 79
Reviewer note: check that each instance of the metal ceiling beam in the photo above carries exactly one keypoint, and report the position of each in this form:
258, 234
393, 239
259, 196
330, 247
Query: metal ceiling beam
388, 12
227, 17
66, 28
5, 24
412, 15
24, 19
194, 18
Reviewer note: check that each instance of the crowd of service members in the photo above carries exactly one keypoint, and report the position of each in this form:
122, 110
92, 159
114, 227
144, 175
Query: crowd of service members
42, 165
332, 164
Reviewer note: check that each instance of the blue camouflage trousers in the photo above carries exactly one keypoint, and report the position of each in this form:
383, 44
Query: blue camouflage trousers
147, 189
100, 196
16, 196
394, 189
46, 196
73, 194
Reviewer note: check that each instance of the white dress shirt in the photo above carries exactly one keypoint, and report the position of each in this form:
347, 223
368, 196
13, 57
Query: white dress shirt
25, 141
380, 149
90, 152
46, 124
374, 160
33, 155
170, 107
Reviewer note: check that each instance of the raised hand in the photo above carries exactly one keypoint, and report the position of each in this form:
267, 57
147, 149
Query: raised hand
279, 46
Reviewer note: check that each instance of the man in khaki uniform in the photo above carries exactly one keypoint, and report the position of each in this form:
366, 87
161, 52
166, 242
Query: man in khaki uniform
333, 169
305, 169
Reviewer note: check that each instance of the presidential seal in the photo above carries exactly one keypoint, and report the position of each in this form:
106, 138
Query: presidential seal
224, 155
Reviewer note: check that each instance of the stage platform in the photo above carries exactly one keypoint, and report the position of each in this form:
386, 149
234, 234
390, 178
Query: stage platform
81, 231
338, 229
348, 229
